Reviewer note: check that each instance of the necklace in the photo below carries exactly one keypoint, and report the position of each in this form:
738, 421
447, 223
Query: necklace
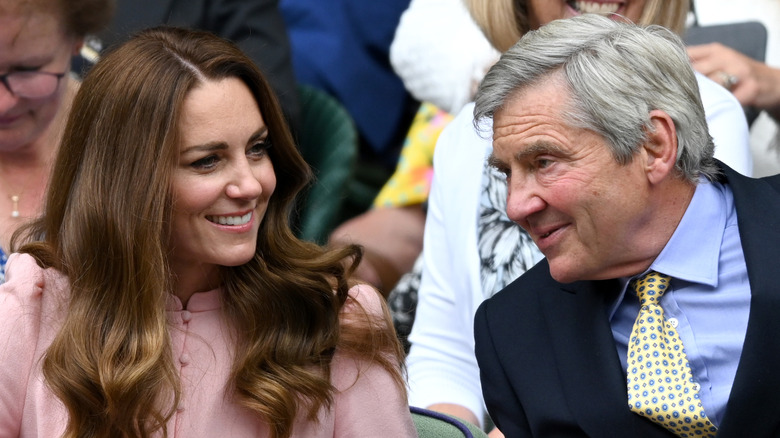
15, 196
28, 182
15, 193
15, 200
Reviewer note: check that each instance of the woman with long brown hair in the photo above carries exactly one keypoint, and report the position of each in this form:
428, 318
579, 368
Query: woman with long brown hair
162, 292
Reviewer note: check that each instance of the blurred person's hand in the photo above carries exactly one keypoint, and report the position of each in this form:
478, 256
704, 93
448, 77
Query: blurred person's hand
753, 83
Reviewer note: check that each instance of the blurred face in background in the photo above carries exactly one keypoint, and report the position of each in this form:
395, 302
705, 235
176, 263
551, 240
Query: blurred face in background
541, 12
31, 41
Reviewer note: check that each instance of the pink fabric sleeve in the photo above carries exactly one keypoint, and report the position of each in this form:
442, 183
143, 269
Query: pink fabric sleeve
20, 311
368, 402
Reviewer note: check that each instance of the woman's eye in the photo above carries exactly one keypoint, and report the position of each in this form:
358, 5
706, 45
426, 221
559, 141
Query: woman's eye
27, 69
259, 149
205, 163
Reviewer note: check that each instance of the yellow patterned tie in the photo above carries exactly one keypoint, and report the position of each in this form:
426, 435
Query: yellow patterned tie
660, 384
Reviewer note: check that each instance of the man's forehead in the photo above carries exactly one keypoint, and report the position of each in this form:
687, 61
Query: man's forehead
543, 100
532, 129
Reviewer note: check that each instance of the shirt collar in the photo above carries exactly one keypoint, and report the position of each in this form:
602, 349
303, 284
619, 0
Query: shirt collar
198, 302
693, 252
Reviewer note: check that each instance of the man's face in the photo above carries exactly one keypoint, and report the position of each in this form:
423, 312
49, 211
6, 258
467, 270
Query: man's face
585, 211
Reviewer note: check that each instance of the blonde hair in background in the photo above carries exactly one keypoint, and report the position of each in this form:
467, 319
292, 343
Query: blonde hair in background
505, 21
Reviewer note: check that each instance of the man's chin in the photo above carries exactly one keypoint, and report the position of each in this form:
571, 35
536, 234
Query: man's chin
562, 271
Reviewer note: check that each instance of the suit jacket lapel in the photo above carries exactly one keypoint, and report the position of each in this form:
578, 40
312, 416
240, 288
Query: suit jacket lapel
754, 392
591, 374
592, 377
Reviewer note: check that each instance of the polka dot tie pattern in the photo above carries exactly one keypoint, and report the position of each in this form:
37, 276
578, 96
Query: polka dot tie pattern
660, 383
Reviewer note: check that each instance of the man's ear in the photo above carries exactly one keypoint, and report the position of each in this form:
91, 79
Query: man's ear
660, 149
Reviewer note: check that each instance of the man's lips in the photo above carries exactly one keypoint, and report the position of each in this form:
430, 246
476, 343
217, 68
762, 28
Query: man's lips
547, 236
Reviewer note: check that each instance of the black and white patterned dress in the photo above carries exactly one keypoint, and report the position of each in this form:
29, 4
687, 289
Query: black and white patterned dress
505, 252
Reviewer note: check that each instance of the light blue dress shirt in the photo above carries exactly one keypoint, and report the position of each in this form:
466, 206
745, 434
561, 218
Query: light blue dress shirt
709, 294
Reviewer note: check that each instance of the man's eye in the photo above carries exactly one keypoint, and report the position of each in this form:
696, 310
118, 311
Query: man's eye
542, 163
205, 162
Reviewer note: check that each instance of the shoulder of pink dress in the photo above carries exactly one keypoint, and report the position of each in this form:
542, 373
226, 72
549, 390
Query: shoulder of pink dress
367, 297
23, 276
34, 291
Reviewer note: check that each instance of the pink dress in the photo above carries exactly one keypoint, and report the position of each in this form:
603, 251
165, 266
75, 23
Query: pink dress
367, 402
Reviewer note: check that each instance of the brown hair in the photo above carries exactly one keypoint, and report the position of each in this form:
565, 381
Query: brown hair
105, 225
504, 22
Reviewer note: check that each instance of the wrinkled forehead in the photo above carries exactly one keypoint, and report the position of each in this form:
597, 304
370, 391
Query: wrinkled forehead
30, 36
16, 9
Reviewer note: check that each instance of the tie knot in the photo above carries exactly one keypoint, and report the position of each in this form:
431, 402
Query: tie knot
650, 287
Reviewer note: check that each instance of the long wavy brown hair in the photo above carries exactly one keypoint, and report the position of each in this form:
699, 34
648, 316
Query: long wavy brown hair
106, 224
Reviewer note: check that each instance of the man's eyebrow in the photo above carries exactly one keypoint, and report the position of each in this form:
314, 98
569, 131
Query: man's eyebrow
494, 161
539, 148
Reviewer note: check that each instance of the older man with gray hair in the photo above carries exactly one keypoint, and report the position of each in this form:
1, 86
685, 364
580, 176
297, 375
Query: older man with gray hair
654, 312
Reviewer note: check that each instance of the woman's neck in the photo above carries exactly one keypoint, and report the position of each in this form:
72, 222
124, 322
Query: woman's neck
24, 172
191, 278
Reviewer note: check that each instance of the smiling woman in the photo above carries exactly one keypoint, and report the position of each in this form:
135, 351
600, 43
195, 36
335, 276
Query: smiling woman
176, 299
506, 21
221, 186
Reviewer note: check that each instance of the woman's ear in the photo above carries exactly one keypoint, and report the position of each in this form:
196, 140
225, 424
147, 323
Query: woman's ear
660, 149
78, 43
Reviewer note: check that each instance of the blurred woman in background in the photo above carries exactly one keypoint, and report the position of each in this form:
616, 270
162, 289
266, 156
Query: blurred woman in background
37, 40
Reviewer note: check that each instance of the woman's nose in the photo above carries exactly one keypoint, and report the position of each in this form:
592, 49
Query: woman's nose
245, 184
7, 99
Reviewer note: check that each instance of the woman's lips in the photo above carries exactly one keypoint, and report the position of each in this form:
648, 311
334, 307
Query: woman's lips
595, 7
9, 120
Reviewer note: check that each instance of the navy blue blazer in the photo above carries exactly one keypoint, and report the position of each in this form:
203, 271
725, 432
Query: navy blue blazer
547, 357
343, 47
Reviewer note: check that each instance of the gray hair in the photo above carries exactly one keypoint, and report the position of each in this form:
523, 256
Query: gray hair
617, 73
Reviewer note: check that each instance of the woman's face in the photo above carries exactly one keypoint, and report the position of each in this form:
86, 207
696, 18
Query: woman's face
31, 42
222, 181
541, 12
